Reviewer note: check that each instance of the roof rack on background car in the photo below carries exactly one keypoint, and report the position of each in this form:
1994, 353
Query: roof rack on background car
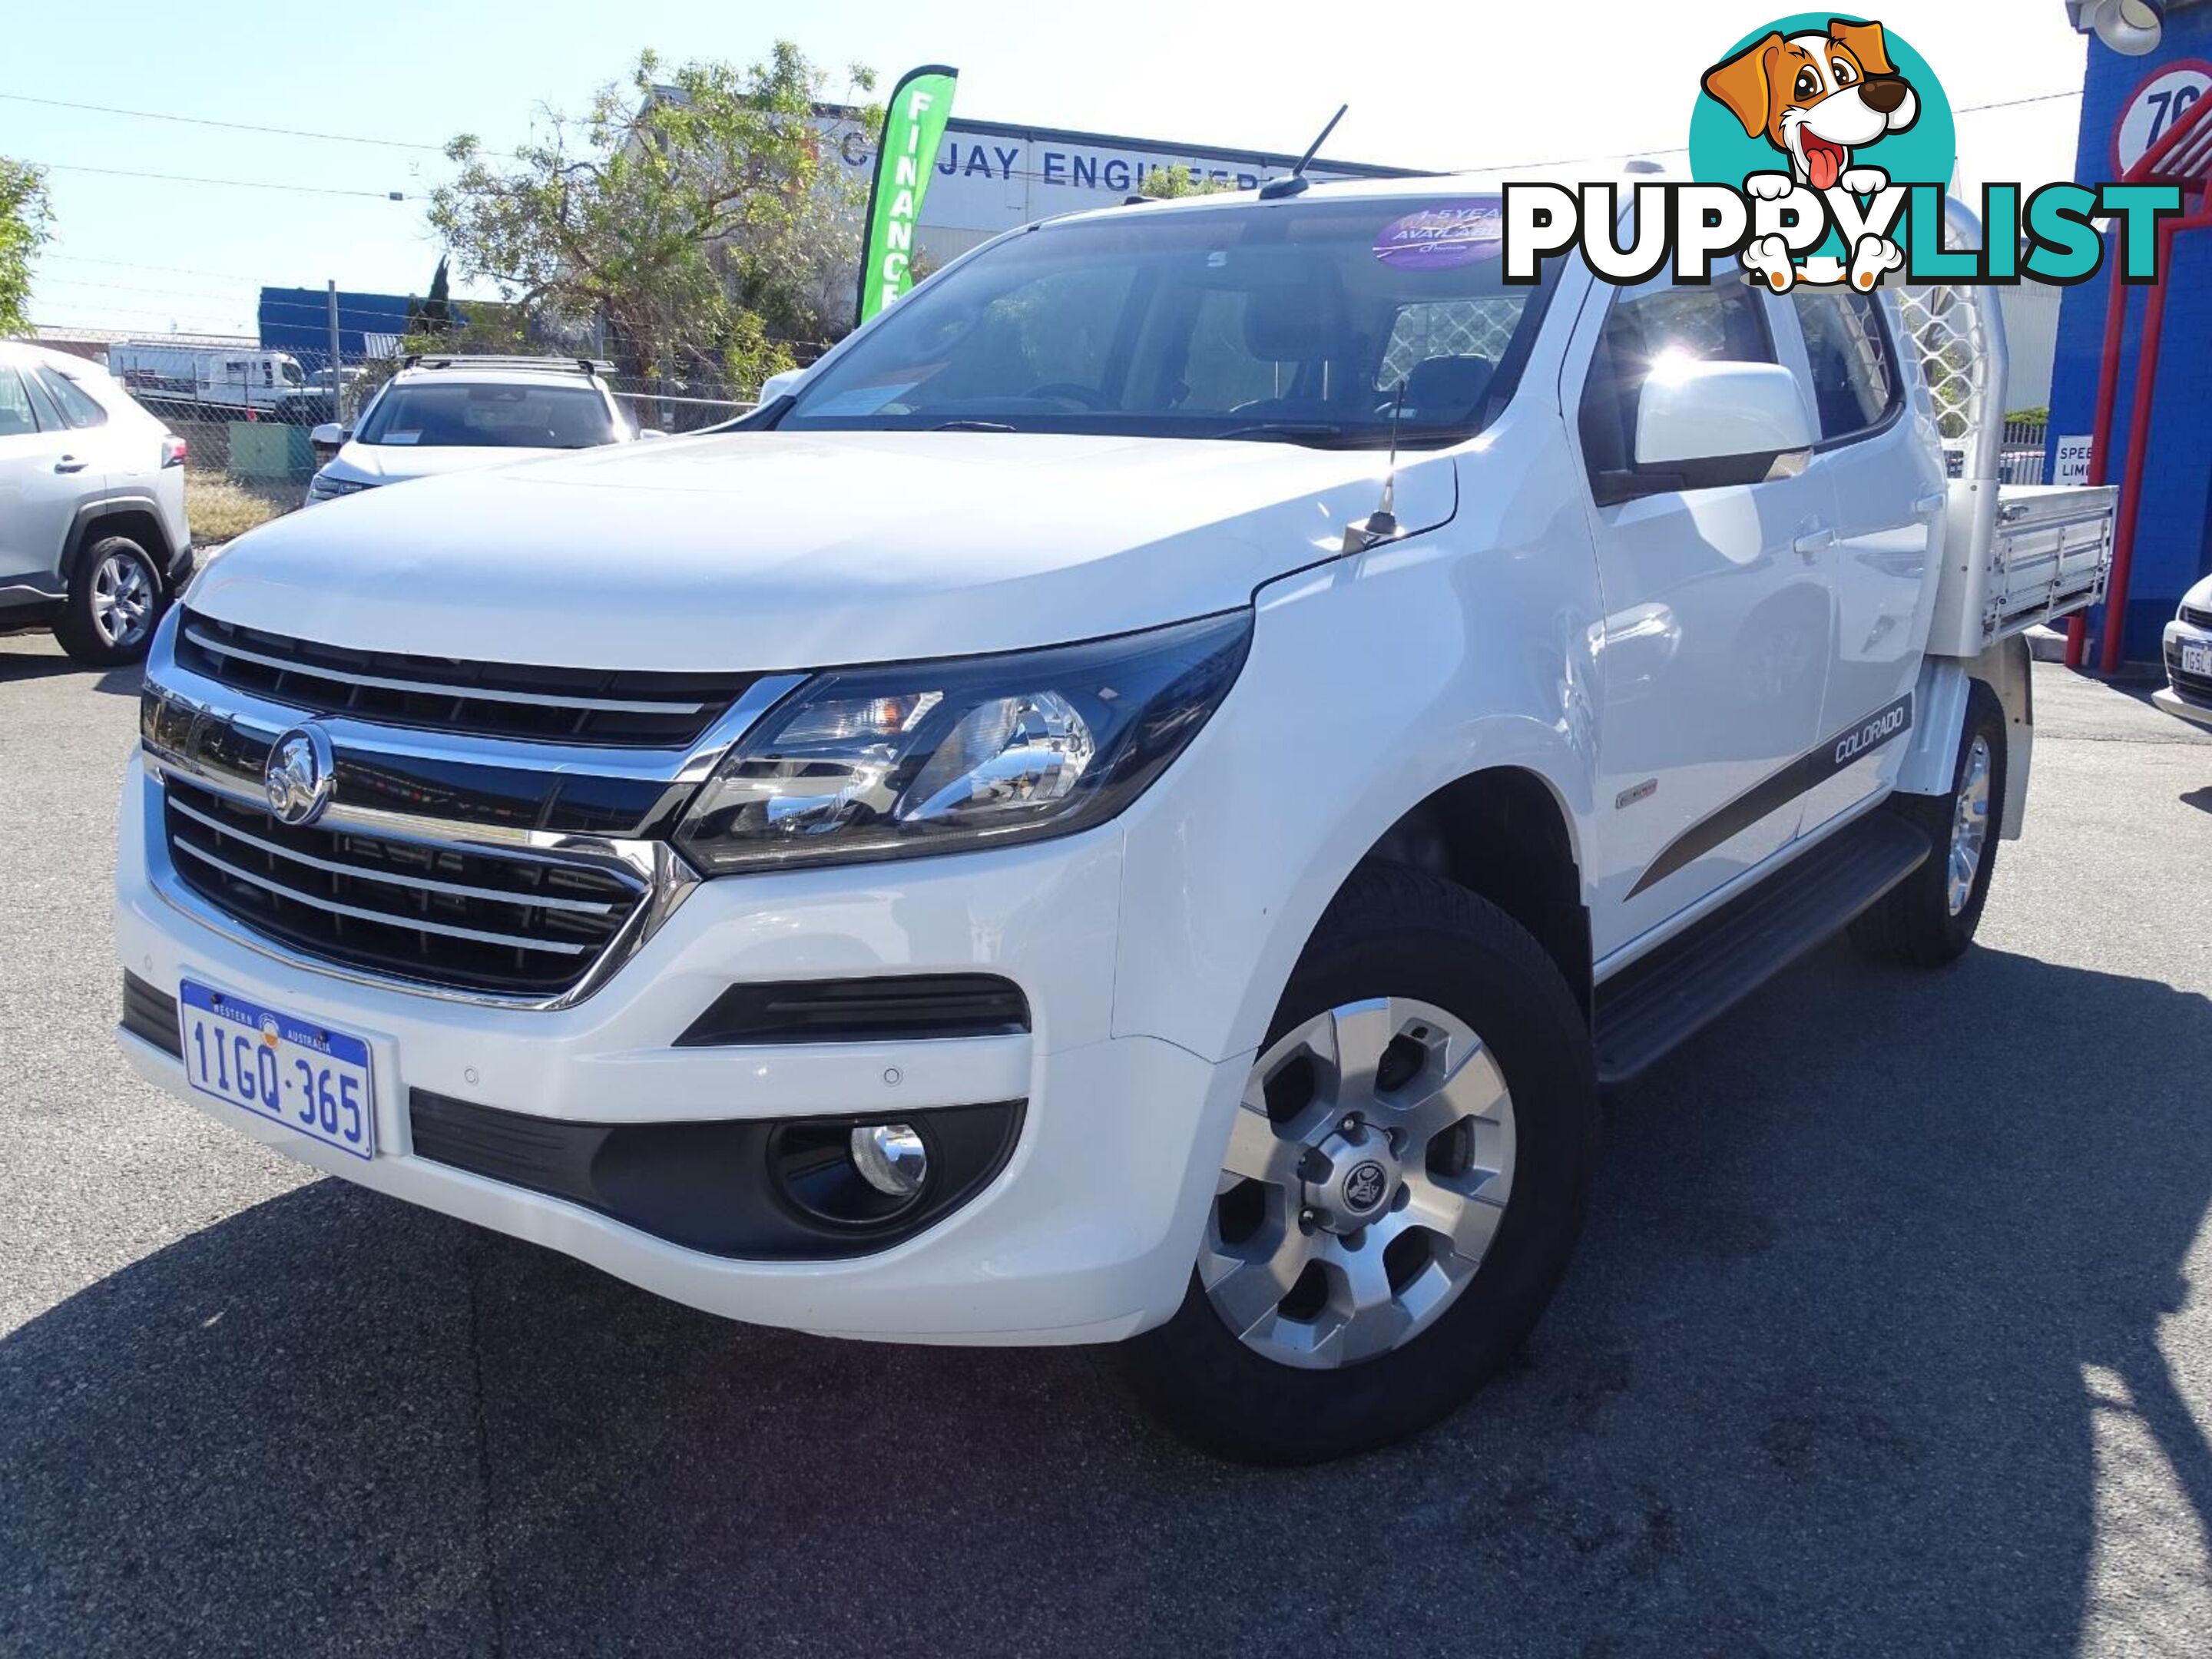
465, 359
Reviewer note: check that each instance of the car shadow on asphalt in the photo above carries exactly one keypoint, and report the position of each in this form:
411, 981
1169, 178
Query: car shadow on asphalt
39, 665
42, 665
1866, 1261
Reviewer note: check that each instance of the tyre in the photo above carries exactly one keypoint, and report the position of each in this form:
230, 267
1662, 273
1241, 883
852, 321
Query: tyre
115, 598
1929, 917
1404, 1183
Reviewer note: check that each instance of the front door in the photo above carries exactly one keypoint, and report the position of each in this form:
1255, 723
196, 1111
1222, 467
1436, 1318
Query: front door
1716, 640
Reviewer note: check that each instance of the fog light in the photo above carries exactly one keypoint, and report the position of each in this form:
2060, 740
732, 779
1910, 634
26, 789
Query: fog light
891, 1157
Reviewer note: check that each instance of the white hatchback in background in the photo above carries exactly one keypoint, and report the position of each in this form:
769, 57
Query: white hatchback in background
93, 541
2188, 651
456, 414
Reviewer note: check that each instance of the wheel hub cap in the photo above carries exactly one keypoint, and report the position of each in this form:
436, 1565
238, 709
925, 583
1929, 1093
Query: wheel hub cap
1351, 1178
1368, 1170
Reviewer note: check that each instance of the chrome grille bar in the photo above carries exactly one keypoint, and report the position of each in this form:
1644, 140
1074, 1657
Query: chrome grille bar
439, 688
458, 890
385, 918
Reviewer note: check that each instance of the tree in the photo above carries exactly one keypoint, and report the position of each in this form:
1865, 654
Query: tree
433, 316
24, 218
490, 326
1169, 183
695, 212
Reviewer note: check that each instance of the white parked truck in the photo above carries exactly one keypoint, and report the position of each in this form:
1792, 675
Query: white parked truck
217, 378
1140, 804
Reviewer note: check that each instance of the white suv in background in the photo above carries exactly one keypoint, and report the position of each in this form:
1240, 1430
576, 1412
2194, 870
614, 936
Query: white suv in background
455, 414
93, 541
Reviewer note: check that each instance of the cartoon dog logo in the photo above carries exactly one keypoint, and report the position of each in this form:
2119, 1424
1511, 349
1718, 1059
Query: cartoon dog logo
1818, 99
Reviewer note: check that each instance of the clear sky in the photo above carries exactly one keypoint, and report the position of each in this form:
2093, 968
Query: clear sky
1470, 84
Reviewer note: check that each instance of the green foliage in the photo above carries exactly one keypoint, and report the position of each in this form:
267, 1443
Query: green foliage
695, 210
491, 328
433, 316
1167, 184
24, 222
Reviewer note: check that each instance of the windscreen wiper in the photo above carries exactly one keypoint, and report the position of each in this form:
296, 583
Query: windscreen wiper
971, 426
1291, 432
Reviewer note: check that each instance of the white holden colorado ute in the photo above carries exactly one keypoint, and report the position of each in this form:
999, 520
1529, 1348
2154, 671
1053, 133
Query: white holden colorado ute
1140, 804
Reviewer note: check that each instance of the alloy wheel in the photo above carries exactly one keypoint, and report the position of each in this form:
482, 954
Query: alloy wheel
1367, 1174
122, 600
1970, 826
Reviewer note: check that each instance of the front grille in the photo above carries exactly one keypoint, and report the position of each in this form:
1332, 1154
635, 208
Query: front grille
466, 918
2198, 687
2195, 617
623, 708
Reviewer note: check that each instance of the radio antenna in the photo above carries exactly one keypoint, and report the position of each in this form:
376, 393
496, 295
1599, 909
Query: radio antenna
1381, 525
1297, 181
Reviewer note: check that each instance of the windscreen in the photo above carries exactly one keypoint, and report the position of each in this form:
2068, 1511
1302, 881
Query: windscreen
488, 416
1287, 320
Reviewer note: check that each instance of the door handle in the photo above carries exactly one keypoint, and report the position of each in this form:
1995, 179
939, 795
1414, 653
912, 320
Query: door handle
1813, 544
1932, 502
68, 464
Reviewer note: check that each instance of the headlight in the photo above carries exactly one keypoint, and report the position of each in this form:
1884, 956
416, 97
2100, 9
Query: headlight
864, 763
323, 487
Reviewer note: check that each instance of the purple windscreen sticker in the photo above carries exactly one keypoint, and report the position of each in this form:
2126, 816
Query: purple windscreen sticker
1439, 237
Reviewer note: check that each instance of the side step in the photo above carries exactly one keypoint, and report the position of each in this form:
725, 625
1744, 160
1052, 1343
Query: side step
1652, 1005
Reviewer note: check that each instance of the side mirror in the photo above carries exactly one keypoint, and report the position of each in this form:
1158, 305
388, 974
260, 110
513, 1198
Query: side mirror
1718, 423
777, 385
329, 436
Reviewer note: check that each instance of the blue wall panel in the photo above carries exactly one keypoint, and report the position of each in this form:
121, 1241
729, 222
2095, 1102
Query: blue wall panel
297, 320
2173, 538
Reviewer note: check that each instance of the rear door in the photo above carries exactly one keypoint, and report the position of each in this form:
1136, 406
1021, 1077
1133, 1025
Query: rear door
127, 450
1714, 652
45, 472
1884, 476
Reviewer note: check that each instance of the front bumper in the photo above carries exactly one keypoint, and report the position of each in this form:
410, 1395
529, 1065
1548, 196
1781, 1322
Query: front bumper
2185, 696
2170, 702
1087, 1233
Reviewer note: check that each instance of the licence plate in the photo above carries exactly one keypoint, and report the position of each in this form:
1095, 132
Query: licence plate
2197, 656
288, 1070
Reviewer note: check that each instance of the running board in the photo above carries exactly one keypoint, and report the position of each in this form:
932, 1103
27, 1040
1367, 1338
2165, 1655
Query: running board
1653, 1004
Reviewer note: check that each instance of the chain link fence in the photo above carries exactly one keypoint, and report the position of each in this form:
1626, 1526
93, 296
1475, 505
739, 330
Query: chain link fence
250, 415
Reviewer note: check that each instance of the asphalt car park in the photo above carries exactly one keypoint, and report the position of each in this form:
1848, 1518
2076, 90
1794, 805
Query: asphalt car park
1884, 1336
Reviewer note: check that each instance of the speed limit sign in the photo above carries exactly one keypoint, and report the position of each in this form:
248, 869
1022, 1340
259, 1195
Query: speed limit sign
2157, 104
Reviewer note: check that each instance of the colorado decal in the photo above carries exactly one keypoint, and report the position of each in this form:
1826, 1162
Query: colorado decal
1809, 770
